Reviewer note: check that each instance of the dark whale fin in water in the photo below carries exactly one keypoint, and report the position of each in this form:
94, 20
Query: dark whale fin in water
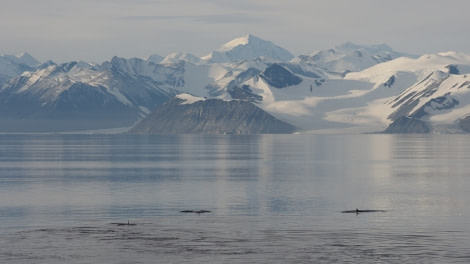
195, 211
363, 211
202, 211
124, 224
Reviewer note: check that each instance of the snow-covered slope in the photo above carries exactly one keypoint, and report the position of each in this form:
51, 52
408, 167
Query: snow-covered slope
181, 56
419, 84
79, 95
14, 65
357, 103
415, 68
349, 57
246, 48
309, 104
156, 58
440, 99
23, 58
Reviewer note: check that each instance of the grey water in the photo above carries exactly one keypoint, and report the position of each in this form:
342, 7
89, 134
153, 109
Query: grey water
273, 198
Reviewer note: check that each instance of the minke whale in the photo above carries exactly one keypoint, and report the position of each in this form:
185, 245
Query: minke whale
357, 211
124, 224
195, 211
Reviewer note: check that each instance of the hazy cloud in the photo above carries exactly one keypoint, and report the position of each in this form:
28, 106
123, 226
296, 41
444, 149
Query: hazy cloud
63, 30
239, 18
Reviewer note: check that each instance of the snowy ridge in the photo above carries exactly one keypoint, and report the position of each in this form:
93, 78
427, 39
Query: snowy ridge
13, 65
235, 43
181, 56
155, 58
22, 58
420, 67
247, 48
189, 99
349, 57
347, 89
441, 98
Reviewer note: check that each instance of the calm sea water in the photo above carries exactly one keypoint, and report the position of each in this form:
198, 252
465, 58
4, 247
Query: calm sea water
273, 199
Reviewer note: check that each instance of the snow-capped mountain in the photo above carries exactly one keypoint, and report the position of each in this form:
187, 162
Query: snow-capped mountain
347, 89
246, 48
426, 87
23, 58
156, 58
82, 96
415, 68
14, 65
441, 100
181, 56
356, 103
349, 57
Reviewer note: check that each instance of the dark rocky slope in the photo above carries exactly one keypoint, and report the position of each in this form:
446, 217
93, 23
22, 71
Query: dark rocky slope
407, 125
210, 116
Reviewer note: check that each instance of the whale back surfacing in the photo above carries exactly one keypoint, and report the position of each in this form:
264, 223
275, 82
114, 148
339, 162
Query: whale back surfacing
363, 211
195, 211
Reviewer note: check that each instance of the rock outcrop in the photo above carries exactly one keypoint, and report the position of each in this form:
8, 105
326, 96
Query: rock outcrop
185, 114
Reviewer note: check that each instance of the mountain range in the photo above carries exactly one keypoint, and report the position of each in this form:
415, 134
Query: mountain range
349, 88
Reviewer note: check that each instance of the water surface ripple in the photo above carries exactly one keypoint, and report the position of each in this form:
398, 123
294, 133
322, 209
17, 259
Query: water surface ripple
272, 199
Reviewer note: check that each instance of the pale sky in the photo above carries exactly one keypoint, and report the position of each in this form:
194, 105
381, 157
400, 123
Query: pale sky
97, 30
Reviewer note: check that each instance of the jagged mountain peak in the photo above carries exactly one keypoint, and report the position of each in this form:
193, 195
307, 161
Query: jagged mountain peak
22, 58
375, 48
132, 65
247, 48
27, 59
49, 70
350, 57
13, 65
180, 56
69, 68
351, 49
245, 40
45, 64
155, 58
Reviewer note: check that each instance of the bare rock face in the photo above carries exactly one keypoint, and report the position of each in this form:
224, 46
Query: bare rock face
465, 124
277, 76
210, 116
407, 125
